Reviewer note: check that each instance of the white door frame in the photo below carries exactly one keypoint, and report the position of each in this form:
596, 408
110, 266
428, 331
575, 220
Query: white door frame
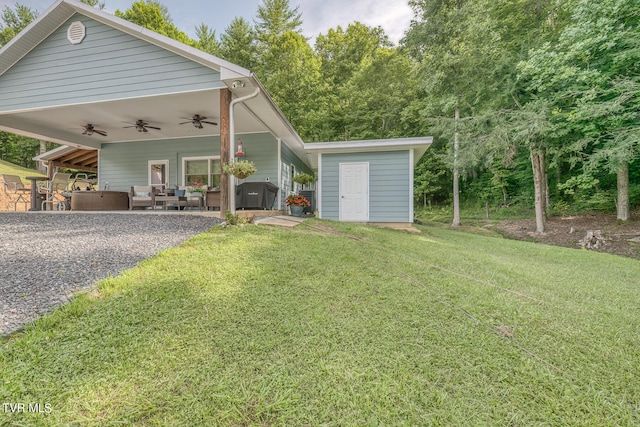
354, 193
166, 170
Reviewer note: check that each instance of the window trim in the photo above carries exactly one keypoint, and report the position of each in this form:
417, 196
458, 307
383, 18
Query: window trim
184, 166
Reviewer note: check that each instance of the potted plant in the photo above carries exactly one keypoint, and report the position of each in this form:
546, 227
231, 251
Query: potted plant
297, 203
241, 169
198, 187
304, 179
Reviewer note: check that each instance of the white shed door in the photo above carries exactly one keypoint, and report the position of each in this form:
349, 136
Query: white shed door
354, 191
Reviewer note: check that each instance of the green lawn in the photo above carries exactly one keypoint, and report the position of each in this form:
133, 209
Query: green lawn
337, 324
11, 169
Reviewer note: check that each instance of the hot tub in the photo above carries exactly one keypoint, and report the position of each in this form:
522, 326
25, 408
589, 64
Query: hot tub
99, 201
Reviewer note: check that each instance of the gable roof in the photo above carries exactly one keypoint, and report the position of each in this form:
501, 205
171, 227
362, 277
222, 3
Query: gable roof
56, 15
258, 114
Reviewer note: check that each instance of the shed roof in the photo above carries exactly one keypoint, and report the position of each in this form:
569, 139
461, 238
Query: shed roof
419, 145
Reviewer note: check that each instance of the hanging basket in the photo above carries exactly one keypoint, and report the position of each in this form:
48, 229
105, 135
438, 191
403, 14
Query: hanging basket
241, 169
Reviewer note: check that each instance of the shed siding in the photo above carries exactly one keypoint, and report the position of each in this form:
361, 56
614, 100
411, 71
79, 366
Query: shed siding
107, 65
390, 195
125, 164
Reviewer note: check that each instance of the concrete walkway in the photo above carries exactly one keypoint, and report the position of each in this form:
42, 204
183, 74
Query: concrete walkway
281, 220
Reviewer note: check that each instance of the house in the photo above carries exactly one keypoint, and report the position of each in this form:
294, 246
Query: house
139, 108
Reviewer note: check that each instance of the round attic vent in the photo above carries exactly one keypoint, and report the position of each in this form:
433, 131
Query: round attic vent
76, 32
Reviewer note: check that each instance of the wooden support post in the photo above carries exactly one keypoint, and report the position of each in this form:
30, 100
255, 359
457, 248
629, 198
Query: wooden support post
225, 139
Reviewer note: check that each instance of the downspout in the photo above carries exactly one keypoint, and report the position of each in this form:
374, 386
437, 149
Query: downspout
232, 137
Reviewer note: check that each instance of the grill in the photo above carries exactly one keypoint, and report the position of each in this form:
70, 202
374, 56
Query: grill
256, 195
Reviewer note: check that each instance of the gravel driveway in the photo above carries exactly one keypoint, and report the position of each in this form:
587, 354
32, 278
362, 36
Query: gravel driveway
46, 257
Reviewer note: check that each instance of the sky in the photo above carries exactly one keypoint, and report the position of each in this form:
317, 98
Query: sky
318, 16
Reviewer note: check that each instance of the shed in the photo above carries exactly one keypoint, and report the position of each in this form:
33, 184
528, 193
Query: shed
366, 181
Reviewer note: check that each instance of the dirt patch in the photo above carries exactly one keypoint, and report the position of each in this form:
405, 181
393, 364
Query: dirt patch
618, 238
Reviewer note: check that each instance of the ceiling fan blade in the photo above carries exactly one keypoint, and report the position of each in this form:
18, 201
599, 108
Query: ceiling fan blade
152, 127
184, 123
209, 123
100, 132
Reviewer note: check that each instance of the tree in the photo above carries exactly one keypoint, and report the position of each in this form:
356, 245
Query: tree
592, 74
343, 53
94, 3
296, 79
153, 15
376, 96
238, 44
452, 41
15, 21
275, 17
207, 41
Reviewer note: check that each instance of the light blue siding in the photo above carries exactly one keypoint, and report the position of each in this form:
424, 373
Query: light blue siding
389, 185
261, 149
107, 65
125, 164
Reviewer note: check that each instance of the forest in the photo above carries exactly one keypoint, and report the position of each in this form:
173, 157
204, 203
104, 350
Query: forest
533, 104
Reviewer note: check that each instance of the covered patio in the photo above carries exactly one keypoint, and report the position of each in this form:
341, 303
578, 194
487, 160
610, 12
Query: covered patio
121, 92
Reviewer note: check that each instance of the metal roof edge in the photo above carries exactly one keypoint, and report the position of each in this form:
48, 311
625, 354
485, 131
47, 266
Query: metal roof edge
63, 149
369, 145
418, 144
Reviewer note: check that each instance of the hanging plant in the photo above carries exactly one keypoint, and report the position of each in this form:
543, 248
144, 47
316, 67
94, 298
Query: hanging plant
304, 179
241, 169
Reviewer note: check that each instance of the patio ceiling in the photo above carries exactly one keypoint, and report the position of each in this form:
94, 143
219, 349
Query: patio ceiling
65, 124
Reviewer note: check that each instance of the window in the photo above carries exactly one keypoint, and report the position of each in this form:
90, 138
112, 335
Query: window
202, 169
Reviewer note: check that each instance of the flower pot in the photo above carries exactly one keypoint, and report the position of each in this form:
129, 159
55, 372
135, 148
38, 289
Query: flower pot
296, 210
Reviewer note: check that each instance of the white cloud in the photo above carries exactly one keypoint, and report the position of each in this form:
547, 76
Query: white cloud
394, 16
318, 16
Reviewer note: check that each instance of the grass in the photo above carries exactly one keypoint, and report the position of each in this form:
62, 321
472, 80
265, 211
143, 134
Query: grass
12, 169
339, 324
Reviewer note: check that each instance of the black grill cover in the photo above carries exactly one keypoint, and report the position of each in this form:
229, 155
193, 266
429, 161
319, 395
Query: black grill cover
256, 195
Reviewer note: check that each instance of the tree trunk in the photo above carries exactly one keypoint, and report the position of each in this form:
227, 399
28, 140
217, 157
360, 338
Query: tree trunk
42, 168
537, 162
623, 193
456, 188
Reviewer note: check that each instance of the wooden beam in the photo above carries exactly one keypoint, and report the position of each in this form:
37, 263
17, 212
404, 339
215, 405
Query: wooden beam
73, 166
225, 139
80, 157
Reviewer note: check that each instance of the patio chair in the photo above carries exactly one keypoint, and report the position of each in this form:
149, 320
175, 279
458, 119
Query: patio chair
13, 187
81, 182
142, 196
52, 191
194, 199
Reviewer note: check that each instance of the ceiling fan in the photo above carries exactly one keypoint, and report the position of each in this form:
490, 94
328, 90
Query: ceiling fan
141, 126
197, 120
89, 129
